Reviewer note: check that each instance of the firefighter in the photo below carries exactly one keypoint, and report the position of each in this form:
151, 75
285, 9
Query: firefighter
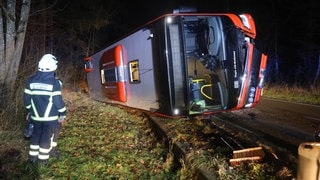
43, 99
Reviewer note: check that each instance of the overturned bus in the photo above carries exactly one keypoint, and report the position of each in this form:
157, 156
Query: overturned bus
181, 64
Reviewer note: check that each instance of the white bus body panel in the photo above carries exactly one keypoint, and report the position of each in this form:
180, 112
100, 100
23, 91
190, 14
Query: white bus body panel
139, 95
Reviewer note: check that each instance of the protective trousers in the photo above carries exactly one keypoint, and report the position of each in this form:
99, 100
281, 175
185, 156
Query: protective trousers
54, 142
41, 139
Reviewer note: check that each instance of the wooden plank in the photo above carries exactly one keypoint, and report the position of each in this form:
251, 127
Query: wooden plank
248, 152
255, 154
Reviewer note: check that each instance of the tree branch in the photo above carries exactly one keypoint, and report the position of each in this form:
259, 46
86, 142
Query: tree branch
6, 14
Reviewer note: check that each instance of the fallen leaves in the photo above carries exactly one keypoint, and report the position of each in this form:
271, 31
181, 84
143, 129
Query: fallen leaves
109, 142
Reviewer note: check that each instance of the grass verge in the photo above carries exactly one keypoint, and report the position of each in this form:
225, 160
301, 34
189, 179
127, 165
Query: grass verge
98, 141
293, 94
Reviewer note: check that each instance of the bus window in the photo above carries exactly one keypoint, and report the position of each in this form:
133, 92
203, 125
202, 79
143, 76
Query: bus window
134, 71
108, 75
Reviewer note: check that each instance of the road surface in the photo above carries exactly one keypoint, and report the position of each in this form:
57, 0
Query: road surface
290, 111
291, 122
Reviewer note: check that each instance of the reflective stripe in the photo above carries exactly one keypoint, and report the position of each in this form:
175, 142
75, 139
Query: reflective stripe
44, 150
51, 118
43, 153
48, 109
62, 109
33, 153
55, 93
34, 109
43, 89
46, 114
34, 150
54, 144
43, 157
36, 117
41, 93
46, 117
42, 86
34, 147
27, 91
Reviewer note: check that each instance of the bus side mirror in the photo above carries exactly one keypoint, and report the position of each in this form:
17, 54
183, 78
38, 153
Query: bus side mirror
88, 64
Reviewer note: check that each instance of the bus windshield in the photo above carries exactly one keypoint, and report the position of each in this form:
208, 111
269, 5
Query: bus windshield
205, 53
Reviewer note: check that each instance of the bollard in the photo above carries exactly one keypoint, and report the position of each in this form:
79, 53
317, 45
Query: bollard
309, 161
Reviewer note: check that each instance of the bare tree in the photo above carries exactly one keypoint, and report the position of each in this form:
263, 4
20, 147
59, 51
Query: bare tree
13, 24
316, 78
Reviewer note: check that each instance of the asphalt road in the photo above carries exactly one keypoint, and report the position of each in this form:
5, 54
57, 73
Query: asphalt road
284, 121
293, 112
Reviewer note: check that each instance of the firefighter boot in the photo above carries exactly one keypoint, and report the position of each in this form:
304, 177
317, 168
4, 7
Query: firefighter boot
32, 159
54, 153
43, 162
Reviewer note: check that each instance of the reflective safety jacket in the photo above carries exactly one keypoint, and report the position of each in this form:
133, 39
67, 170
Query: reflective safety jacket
42, 97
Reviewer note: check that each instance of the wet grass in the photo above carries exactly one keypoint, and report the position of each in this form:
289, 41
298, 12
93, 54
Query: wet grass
205, 149
98, 141
293, 94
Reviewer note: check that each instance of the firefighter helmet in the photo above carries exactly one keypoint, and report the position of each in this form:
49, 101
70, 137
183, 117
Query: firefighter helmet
47, 63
